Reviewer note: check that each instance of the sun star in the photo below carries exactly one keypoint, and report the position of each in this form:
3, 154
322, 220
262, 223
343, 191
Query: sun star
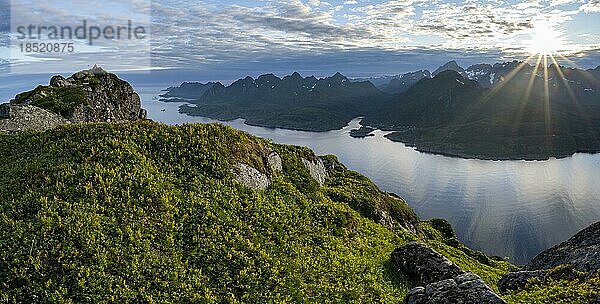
545, 40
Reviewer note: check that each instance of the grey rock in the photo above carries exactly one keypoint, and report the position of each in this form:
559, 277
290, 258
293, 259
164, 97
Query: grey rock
250, 177
108, 100
4, 111
518, 280
416, 296
329, 165
275, 162
582, 251
24, 117
143, 114
467, 288
316, 169
59, 82
424, 263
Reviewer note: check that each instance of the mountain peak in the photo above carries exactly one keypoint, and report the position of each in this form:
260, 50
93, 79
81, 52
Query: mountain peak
268, 78
339, 77
449, 74
451, 65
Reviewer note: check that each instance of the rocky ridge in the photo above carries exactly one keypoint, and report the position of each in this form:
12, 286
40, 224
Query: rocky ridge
92, 95
444, 281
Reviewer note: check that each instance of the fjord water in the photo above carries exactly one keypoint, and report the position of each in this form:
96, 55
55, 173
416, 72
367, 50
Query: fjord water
505, 208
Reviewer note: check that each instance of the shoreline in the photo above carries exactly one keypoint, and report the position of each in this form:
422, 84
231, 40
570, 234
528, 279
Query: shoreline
431, 151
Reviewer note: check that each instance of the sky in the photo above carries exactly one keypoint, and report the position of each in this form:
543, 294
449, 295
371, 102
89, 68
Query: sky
357, 37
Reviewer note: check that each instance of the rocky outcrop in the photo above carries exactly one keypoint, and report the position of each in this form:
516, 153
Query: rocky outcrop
581, 251
316, 169
250, 177
444, 281
274, 161
109, 99
466, 288
518, 280
29, 118
424, 263
257, 180
4, 111
88, 96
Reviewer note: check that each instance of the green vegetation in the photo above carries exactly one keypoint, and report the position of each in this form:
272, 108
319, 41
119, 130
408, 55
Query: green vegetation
143, 212
577, 291
59, 100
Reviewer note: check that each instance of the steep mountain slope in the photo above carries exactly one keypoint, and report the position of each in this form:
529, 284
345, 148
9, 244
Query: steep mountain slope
566, 273
404, 82
187, 90
291, 102
582, 251
450, 66
450, 114
143, 212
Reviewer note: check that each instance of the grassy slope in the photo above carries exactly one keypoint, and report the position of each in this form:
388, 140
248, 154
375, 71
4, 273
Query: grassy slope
143, 212
563, 291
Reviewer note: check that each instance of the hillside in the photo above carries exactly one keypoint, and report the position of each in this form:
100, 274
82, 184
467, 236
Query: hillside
143, 212
452, 115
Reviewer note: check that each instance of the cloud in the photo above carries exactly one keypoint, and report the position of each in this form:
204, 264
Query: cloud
215, 32
593, 6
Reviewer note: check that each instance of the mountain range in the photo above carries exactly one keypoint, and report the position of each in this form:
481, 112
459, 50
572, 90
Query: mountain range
292, 102
510, 110
523, 118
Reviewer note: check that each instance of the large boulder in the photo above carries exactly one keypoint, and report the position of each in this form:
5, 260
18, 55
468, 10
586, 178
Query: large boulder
317, 170
59, 82
25, 117
467, 288
250, 177
581, 251
424, 263
518, 280
444, 281
275, 162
